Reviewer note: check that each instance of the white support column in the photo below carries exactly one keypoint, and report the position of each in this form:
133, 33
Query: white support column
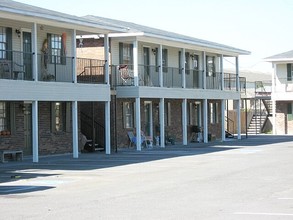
137, 124
274, 75
237, 74
35, 51
239, 118
183, 68
222, 71
162, 121
107, 127
160, 56
73, 54
74, 129
223, 104
35, 133
135, 63
151, 120
205, 121
274, 116
184, 121
204, 80
106, 55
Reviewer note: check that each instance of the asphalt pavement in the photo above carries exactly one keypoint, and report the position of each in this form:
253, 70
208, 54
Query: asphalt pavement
237, 179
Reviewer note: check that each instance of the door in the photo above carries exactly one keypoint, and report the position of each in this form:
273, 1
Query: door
27, 55
148, 118
146, 62
27, 129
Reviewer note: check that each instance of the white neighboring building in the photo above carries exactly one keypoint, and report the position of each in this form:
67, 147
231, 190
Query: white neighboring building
282, 92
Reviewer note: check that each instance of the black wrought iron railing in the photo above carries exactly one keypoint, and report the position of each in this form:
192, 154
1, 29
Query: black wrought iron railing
16, 65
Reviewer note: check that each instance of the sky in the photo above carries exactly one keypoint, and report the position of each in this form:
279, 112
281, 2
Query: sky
263, 27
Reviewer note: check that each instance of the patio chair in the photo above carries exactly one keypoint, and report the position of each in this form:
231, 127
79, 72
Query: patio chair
87, 144
132, 139
127, 78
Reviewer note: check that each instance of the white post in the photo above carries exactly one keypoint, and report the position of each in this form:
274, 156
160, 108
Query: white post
184, 121
223, 104
138, 124
222, 71
237, 74
135, 63
35, 130
239, 118
74, 129
151, 120
274, 116
274, 75
106, 55
183, 67
160, 55
205, 121
107, 127
73, 54
204, 70
162, 121
35, 51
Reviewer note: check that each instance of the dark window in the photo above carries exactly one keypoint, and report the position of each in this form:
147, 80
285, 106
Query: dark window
126, 53
210, 66
4, 116
289, 72
164, 60
128, 115
58, 116
56, 49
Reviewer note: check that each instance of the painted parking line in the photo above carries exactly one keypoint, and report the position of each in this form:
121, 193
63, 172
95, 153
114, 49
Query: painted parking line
286, 198
263, 213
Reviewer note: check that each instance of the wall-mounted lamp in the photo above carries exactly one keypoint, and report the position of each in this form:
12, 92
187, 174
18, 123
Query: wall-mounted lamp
192, 56
154, 51
17, 31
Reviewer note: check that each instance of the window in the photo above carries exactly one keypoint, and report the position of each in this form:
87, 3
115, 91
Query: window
289, 72
126, 53
214, 118
167, 114
5, 43
187, 63
4, 116
193, 113
210, 65
289, 112
128, 115
56, 48
59, 116
164, 60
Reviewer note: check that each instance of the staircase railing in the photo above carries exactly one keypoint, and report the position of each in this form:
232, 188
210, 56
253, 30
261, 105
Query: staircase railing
87, 129
230, 127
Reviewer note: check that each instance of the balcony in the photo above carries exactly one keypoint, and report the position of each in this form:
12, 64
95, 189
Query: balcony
16, 65
123, 75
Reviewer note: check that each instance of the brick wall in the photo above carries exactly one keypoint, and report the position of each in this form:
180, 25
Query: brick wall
283, 126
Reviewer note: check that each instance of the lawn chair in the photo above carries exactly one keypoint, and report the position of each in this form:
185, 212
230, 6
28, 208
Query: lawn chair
132, 139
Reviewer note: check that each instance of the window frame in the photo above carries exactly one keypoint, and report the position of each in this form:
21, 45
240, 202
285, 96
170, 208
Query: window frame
57, 54
289, 71
4, 116
128, 115
60, 121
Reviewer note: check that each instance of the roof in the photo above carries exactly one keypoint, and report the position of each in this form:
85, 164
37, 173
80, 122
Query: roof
34, 12
286, 56
158, 33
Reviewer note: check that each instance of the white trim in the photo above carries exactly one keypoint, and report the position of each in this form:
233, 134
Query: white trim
74, 128
133, 34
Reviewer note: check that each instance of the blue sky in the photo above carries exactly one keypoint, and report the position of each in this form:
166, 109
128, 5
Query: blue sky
260, 26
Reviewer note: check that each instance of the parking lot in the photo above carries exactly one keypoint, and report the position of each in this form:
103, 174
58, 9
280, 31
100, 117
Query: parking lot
239, 179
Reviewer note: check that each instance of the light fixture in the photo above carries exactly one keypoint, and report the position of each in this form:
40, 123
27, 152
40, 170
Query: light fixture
80, 42
17, 31
154, 51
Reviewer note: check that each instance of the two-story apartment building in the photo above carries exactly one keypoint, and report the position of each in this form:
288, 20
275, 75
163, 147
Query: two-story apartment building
166, 84
282, 92
42, 82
